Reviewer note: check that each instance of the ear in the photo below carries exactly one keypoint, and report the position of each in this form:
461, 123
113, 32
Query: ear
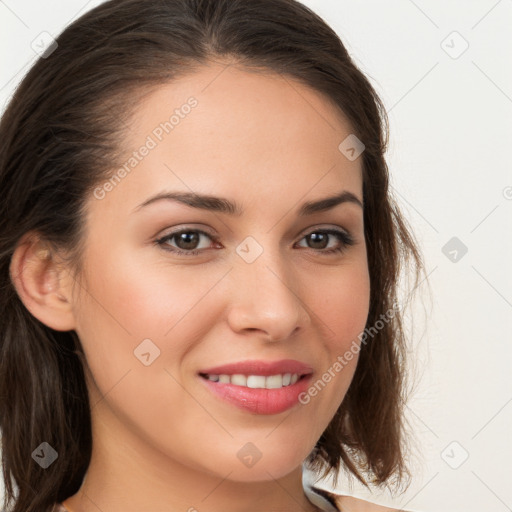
43, 283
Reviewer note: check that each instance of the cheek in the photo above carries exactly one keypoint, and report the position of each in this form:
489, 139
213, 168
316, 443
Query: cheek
342, 305
123, 303
140, 299
123, 315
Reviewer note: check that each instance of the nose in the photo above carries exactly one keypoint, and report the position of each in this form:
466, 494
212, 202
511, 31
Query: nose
265, 299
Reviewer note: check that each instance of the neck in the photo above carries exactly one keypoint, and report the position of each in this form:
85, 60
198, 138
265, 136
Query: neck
111, 491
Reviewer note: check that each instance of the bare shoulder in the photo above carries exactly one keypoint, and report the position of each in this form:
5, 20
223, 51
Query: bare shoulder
351, 504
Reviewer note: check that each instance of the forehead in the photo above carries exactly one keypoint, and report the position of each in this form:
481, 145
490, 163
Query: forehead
228, 130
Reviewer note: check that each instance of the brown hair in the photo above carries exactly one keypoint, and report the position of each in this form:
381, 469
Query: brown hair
60, 135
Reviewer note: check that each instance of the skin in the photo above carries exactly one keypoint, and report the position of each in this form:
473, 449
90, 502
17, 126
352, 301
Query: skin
162, 440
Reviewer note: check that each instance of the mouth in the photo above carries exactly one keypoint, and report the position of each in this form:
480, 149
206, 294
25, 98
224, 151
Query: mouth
259, 387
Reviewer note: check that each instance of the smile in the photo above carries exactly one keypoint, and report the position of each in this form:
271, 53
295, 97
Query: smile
259, 387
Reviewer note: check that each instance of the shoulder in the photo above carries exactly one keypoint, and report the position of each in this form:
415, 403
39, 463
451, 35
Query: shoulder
359, 505
349, 503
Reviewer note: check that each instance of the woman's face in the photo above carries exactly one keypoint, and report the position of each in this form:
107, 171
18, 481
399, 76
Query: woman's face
259, 283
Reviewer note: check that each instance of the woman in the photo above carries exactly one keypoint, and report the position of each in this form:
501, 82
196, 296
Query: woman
199, 263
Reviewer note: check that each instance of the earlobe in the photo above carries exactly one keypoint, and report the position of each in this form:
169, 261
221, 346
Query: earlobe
42, 284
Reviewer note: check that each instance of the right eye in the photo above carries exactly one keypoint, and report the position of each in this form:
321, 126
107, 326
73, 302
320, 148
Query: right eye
185, 242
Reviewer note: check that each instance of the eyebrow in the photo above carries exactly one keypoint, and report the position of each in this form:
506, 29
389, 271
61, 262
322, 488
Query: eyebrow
223, 205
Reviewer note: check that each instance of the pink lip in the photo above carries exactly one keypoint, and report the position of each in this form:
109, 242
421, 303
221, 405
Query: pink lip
263, 368
260, 401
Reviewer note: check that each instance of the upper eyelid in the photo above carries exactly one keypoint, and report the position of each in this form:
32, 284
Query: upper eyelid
173, 233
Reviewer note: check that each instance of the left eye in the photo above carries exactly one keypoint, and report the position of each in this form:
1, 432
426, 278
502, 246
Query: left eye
320, 240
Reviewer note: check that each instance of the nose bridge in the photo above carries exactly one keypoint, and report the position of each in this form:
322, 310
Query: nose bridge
266, 295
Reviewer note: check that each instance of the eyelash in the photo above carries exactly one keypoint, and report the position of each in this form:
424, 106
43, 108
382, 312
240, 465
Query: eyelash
344, 237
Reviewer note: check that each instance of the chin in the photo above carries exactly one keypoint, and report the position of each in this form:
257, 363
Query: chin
259, 465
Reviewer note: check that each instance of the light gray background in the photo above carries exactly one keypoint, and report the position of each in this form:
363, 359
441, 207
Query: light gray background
450, 112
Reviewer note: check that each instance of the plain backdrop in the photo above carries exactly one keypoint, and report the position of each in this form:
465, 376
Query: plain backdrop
443, 70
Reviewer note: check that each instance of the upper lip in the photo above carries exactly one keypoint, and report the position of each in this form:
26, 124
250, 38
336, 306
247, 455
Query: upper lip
256, 367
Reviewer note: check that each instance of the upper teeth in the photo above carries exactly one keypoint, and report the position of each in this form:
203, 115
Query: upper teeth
256, 381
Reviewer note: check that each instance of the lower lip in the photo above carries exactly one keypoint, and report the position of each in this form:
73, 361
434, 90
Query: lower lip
259, 400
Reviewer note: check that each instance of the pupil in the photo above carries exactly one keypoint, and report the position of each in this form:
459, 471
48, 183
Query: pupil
187, 240
320, 238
